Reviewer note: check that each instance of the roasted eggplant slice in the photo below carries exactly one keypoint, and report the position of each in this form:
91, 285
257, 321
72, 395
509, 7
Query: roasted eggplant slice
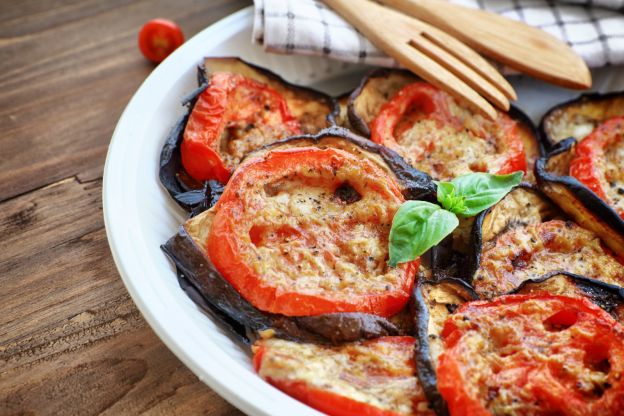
525, 237
579, 202
374, 377
577, 118
434, 302
435, 133
238, 108
538, 354
608, 297
189, 249
215, 295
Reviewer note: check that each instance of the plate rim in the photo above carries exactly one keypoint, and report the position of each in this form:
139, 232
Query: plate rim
219, 381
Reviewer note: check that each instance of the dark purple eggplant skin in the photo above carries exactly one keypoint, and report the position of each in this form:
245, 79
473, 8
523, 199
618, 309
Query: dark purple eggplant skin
415, 184
196, 200
547, 142
586, 196
356, 121
214, 294
605, 295
424, 367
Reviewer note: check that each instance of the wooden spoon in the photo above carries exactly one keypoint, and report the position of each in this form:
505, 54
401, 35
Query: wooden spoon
519, 46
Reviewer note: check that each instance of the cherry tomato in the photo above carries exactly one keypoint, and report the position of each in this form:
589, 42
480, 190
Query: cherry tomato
158, 38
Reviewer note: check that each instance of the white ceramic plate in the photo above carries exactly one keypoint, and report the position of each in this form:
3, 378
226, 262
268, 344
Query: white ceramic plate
140, 215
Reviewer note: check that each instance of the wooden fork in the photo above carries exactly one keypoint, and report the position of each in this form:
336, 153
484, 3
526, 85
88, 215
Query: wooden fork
525, 48
430, 53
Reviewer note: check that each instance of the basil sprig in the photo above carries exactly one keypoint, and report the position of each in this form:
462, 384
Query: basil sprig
418, 225
470, 194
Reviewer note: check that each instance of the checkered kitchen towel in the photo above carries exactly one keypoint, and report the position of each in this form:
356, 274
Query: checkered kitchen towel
594, 28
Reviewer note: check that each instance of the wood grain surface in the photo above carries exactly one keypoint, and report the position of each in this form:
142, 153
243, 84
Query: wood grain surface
71, 340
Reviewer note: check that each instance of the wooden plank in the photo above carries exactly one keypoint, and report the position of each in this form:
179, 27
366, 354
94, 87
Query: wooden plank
71, 340
66, 72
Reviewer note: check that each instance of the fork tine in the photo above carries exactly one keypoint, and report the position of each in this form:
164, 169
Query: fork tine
434, 73
462, 71
471, 58
397, 29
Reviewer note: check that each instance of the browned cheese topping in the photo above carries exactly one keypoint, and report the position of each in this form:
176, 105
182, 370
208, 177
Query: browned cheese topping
531, 251
307, 235
446, 151
376, 373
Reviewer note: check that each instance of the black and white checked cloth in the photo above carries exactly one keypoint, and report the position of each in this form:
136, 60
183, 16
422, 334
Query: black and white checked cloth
593, 28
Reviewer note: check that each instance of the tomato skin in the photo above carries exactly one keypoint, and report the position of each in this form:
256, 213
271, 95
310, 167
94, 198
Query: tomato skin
215, 110
432, 103
225, 248
597, 335
326, 401
590, 152
158, 38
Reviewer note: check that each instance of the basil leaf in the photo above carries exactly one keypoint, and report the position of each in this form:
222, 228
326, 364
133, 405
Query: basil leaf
470, 194
417, 226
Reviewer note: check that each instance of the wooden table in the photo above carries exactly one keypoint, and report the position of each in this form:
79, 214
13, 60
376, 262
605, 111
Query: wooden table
71, 340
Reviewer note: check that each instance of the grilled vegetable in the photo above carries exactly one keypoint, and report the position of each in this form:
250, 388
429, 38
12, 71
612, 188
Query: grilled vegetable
598, 163
577, 118
608, 297
238, 108
216, 296
434, 133
525, 237
371, 378
188, 248
304, 231
576, 199
434, 302
532, 354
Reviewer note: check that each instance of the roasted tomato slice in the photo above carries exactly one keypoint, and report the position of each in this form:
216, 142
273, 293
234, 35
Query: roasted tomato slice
431, 131
531, 251
371, 378
304, 231
232, 117
599, 162
532, 355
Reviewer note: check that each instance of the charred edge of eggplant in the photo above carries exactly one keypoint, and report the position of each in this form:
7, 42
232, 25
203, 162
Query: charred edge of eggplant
228, 323
424, 367
417, 184
583, 194
356, 121
171, 164
331, 102
473, 259
545, 138
236, 313
603, 294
